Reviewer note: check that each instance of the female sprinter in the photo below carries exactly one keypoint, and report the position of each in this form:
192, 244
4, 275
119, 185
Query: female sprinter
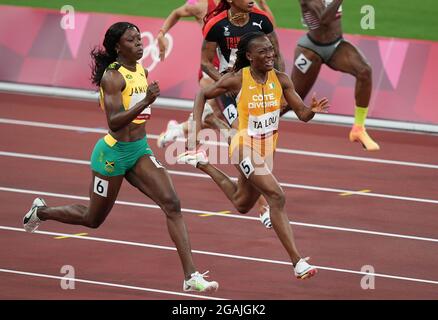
324, 44
237, 17
124, 152
212, 116
259, 89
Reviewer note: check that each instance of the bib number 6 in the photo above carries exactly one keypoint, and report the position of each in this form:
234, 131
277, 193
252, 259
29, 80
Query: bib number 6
101, 187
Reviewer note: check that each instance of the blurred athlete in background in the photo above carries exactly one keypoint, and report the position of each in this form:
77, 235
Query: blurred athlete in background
324, 43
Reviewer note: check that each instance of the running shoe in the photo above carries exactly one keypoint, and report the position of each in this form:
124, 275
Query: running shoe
193, 158
358, 133
168, 136
265, 218
198, 283
303, 270
31, 222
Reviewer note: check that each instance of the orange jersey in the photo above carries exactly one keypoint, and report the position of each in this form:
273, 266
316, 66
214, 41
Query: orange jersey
258, 106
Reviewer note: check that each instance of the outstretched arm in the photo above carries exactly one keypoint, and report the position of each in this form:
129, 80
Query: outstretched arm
303, 112
187, 10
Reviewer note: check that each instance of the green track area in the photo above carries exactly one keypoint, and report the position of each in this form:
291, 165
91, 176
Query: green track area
393, 18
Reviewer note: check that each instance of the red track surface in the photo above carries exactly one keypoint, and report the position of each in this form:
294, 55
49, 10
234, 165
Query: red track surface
155, 268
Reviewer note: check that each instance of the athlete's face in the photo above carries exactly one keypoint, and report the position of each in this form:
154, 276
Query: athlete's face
242, 5
261, 54
130, 45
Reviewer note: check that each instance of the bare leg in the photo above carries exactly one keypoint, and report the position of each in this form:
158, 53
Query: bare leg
156, 184
245, 193
348, 59
93, 215
241, 194
304, 82
268, 185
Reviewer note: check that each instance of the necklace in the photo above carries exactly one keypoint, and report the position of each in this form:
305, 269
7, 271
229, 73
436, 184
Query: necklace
240, 16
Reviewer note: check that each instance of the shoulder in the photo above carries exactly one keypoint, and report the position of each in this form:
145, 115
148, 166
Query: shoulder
283, 78
112, 81
213, 22
198, 9
258, 13
114, 66
231, 80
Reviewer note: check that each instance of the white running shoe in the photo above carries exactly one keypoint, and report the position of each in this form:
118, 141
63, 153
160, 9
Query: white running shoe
168, 136
198, 283
193, 158
303, 270
31, 222
265, 218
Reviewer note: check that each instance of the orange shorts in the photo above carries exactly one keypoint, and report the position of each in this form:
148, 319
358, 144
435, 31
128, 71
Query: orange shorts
263, 146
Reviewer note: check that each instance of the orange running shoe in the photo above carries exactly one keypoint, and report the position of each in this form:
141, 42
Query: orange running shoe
358, 133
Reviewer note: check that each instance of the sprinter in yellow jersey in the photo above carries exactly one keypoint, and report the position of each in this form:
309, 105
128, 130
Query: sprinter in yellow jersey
125, 97
259, 89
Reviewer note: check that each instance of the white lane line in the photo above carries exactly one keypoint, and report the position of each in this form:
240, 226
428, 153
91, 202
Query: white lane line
223, 255
233, 216
279, 150
199, 175
91, 95
108, 284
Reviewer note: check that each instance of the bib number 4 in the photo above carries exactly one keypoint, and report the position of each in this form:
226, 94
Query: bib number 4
230, 113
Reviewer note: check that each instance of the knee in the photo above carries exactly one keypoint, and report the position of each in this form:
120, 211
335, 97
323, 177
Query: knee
364, 73
94, 223
276, 199
171, 206
242, 208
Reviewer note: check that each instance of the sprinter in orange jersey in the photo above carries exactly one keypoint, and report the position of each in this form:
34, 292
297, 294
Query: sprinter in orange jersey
259, 89
237, 17
212, 116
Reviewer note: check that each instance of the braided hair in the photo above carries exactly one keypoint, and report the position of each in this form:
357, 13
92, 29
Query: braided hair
242, 48
103, 57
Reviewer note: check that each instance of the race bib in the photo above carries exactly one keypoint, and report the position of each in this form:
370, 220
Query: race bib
230, 113
136, 98
145, 114
302, 63
264, 124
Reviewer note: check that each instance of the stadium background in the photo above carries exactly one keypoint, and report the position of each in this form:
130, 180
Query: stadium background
394, 18
348, 208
